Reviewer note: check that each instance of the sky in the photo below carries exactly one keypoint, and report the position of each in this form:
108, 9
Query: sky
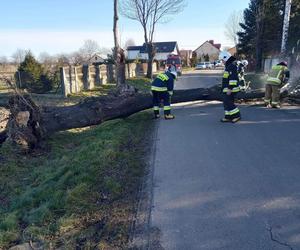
62, 26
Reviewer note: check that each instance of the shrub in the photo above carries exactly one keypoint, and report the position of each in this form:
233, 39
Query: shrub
33, 76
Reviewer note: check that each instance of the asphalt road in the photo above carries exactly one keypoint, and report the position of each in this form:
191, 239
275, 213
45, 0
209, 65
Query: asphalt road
227, 186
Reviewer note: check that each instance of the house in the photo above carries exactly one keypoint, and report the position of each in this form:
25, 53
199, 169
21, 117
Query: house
97, 59
163, 49
208, 48
232, 51
186, 56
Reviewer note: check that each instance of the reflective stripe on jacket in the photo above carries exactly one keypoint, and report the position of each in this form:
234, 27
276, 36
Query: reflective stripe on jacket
230, 79
163, 82
277, 75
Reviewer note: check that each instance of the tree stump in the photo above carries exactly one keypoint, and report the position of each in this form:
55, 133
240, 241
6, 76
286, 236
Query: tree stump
23, 127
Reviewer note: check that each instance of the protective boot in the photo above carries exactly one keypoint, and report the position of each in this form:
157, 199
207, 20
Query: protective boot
276, 106
156, 113
169, 117
225, 120
234, 120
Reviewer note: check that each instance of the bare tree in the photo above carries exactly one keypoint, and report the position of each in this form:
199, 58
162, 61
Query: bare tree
19, 56
89, 48
118, 52
232, 26
76, 58
45, 58
149, 13
3, 60
286, 22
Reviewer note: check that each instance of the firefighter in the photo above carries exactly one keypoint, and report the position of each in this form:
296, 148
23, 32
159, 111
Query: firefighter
162, 90
241, 72
230, 87
278, 76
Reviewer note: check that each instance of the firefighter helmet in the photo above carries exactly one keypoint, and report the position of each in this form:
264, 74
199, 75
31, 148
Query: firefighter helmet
174, 73
284, 63
245, 63
224, 55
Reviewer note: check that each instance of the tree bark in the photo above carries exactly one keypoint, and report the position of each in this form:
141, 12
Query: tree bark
151, 54
260, 33
119, 56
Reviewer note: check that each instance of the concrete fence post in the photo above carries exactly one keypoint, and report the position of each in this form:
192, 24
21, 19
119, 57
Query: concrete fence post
98, 75
76, 87
110, 73
86, 76
65, 86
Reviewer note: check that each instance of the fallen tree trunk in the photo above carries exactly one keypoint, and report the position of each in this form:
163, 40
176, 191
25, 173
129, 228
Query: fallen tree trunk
95, 110
28, 129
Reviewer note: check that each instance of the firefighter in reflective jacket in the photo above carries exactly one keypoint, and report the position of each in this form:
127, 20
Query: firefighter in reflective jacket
230, 87
162, 90
278, 76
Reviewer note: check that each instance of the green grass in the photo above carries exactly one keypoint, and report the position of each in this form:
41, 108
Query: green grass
80, 193
53, 99
142, 84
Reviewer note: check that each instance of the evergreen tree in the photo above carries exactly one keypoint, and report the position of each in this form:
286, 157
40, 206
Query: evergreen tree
33, 76
262, 30
247, 37
273, 23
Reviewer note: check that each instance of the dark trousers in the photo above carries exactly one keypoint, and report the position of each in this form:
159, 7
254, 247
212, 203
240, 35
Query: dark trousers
272, 95
161, 97
231, 110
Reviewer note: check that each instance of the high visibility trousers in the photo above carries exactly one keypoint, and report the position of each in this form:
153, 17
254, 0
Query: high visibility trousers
272, 95
231, 110
161, 97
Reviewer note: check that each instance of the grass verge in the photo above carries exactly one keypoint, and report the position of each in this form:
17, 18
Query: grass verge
57, 100
78, 195
141, 83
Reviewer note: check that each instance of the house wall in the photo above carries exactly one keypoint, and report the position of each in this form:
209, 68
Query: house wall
134, 54
209, 49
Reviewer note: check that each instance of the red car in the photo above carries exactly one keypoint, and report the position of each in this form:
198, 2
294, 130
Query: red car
174, 60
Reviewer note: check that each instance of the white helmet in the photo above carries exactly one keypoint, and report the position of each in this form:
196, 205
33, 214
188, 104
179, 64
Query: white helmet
224, 55
174, 73
245, 63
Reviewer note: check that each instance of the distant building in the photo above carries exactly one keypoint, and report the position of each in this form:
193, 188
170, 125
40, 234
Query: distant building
186, 56
97, 59
208, 48
163, 49
232, 51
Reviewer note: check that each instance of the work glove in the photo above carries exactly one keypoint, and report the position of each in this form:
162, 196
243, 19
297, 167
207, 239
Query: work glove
228, 92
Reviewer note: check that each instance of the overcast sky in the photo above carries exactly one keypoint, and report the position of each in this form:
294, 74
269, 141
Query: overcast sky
56, 26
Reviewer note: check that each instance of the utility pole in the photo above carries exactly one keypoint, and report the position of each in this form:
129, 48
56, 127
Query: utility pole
286, 23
